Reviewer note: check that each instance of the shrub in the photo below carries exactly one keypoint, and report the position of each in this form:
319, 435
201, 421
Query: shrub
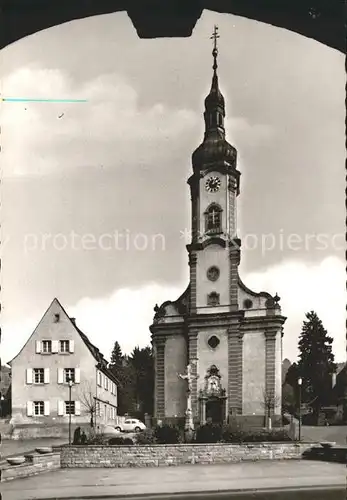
96, 439
208, 433
146, 437
258, 436
167, 434
233, 433
119, 440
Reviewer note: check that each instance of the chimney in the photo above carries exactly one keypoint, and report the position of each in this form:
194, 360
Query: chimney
73, 321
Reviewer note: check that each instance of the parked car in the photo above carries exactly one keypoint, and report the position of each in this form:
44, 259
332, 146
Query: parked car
131, 425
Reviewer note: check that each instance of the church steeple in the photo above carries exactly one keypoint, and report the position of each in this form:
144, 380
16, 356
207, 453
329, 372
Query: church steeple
214, 148
214, 103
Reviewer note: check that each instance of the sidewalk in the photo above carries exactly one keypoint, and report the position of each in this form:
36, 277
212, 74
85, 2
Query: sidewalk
110, 483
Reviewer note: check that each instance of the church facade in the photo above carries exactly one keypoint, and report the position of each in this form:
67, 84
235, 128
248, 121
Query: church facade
229, 335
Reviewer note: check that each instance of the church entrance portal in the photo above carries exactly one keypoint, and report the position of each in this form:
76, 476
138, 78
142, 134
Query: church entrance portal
214, 410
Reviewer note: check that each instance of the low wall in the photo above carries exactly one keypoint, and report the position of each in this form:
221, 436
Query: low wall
33, 431
161, 455
35, 464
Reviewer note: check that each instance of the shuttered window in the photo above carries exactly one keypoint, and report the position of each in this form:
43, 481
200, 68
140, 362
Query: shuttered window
46, 346
39, 408
39, 375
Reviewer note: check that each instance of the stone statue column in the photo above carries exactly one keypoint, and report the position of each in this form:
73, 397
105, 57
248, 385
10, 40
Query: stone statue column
189, 377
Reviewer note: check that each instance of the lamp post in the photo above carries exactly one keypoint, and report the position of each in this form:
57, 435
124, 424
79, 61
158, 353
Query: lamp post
70, 387
299, 384
1, 405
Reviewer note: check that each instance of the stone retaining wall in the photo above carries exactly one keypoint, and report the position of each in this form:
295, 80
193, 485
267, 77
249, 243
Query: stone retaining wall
162, 455
38, 431
35, 464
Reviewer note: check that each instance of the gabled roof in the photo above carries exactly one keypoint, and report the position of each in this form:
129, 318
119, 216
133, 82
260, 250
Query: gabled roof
97, 355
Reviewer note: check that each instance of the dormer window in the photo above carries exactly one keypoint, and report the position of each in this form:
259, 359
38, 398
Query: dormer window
213, 219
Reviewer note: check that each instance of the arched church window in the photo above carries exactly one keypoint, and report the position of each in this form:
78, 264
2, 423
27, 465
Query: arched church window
213, 219
213, 299
220, 120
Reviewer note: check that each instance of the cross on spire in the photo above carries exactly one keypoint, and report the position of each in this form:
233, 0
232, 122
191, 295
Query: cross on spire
215, 49
214, 37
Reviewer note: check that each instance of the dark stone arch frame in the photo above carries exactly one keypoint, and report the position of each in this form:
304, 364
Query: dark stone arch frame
321, 20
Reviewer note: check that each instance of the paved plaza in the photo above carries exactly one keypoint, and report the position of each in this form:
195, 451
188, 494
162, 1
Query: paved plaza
110, 483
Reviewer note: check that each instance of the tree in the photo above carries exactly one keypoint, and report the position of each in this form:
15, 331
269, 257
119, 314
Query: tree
135, 374
142, 364
316, 362
270, 403
292, 376
88, 401
117, 355
289, 401
123, 372
290, 389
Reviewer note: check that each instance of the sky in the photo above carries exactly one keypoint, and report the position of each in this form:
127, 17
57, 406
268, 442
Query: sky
75, 173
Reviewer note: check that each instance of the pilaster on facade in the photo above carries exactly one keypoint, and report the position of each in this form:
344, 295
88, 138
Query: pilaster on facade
235, 346
193, 269
193, 360
270, 365
233, 191
159, 343
234, 257
240, 370
194, 191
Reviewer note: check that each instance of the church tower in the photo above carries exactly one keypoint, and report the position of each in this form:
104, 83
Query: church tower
230, 336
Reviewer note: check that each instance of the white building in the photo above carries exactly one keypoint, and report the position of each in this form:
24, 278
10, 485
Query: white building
56, 352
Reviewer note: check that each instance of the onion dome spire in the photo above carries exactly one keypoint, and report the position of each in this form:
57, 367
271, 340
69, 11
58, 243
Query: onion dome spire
214, 147
214, 102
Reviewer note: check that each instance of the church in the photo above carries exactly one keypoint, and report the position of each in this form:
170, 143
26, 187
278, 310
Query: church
227, 336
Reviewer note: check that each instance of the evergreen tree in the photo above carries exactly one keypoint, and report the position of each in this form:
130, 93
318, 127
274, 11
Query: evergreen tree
316, 362
292, 376
135, 374
123, 372
142, 363
291, 382
289, 401
117, 355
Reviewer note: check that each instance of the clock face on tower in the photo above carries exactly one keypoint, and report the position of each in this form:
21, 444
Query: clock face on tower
213, 184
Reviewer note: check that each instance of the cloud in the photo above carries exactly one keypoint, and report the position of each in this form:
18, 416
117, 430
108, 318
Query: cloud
110, 128
127, 313
124, 316
240, 130
304, 287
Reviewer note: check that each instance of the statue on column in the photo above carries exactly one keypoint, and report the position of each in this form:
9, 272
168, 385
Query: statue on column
189, 377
